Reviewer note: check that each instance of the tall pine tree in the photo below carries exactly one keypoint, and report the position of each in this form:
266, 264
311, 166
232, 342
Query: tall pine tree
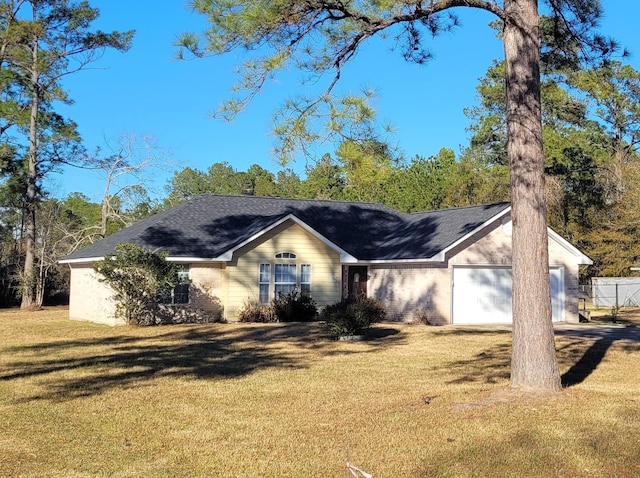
319, 36
43, 41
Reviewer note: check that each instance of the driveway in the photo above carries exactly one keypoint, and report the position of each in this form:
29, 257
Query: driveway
591, 330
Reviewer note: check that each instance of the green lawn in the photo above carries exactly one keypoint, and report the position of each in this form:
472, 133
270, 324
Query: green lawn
283, 400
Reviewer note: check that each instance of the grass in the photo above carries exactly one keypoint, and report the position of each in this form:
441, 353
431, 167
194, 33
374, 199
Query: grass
283, 400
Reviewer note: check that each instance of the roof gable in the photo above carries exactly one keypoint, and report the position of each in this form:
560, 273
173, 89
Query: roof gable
344, 256
210, 227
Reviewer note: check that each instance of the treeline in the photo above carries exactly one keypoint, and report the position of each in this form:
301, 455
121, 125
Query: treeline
358, 172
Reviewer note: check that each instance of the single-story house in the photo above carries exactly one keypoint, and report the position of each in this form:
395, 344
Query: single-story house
449, 266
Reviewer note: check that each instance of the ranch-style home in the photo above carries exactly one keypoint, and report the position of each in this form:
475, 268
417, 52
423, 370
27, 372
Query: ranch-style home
449, 266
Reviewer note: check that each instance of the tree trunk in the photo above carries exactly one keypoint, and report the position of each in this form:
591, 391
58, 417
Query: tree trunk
534, 364
29, 277
28, 271
42, 274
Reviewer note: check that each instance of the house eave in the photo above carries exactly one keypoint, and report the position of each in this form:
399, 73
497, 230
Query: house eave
81, 260
438, 258
184, 259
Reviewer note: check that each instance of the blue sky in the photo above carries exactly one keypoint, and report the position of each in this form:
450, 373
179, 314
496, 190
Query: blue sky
146, 92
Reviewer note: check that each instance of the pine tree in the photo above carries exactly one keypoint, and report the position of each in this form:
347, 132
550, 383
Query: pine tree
318, 37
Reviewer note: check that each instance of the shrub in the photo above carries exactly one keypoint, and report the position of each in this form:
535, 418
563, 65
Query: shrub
137, 277
352, 317
294, 307
181, 314
426, 317
252, 312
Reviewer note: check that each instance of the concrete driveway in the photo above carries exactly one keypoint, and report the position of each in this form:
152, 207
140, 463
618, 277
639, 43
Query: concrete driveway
595, 331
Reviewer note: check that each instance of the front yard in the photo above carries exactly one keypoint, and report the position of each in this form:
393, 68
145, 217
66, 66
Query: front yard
283, 400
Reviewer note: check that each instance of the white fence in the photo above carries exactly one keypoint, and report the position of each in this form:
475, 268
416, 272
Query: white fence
615, 291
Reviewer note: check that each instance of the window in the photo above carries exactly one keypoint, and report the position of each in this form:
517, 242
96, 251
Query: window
285, 255
263, 282
284, 278
180, 293
305, 277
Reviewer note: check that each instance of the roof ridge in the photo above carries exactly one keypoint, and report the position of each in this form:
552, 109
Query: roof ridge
250, 196
454, 208
341, 201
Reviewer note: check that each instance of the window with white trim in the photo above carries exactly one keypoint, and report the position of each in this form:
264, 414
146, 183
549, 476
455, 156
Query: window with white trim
305, 278
284, 278
285, 255
264, 281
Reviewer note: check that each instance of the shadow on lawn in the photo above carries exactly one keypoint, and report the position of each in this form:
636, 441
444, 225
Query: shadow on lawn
601, 338
582, 349
491, 365
91, 366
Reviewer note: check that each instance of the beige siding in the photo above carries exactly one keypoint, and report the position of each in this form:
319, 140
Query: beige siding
490, 247
90, 299
411, 292
242, 272
206, 289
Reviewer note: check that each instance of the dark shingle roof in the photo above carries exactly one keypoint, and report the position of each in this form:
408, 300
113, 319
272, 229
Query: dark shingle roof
209, 225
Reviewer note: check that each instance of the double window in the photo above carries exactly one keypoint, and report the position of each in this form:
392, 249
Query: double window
287, 276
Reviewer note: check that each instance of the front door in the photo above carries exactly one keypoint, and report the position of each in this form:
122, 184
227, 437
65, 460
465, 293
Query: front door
357, 281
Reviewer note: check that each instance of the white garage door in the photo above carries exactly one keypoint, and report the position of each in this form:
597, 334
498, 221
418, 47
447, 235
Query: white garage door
482, 295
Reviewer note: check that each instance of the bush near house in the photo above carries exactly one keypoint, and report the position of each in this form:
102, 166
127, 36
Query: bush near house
170, 314
254, 312
296, 306
138, 278
352, 317
143, 283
